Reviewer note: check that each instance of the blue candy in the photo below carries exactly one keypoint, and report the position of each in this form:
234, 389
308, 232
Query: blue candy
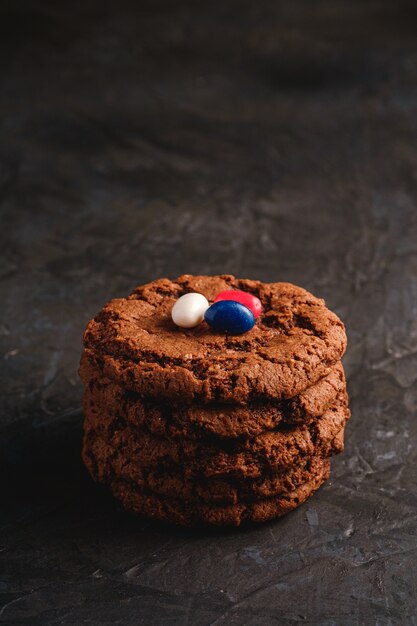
229, 316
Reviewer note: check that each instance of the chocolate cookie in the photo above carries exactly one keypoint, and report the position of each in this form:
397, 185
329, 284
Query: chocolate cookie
197, 422
105, 463
273, 450
294, 343
191, 514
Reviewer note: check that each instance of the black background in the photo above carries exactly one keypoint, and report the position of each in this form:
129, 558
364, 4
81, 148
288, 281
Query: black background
272, 140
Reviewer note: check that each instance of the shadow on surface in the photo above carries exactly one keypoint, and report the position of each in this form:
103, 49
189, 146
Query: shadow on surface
44, 476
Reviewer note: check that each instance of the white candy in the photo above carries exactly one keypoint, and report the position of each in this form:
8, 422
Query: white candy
188, 311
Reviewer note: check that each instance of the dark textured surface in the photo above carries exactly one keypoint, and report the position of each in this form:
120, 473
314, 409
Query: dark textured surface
271, 140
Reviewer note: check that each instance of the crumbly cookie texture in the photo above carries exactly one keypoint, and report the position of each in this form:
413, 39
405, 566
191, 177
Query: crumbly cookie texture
295, 342
201, 421
192, 514
107, 463
271, 451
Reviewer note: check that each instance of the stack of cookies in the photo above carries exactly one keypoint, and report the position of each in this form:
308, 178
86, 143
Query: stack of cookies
197, 426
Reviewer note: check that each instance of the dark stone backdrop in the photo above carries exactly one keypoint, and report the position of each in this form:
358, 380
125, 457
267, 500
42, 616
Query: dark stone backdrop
273, 140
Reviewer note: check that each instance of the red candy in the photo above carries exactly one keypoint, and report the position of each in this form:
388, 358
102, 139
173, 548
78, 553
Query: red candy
247, 299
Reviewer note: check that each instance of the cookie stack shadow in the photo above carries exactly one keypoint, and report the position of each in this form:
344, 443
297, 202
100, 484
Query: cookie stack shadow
216, 462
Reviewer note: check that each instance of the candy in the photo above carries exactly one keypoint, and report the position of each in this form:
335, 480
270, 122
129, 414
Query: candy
247, 299
188, 311
230, 317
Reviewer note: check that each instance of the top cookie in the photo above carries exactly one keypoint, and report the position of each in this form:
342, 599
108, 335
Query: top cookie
295, 342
